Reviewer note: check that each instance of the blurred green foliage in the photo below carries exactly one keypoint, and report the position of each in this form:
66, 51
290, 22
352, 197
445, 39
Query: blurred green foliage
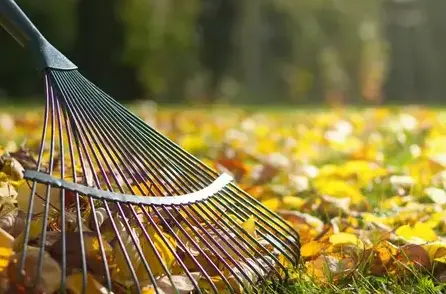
263, 51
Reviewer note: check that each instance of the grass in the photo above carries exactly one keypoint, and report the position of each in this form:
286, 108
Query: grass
369, 284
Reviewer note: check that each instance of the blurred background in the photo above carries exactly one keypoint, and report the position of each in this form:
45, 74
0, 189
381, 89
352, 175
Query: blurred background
246, 52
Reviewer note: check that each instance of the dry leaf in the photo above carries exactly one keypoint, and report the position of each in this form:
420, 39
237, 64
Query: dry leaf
75, 281
50, 274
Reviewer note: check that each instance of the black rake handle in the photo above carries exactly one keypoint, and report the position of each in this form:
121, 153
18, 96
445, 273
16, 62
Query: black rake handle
17, 24
20, 27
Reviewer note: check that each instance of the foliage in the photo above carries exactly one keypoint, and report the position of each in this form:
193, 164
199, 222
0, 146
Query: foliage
365, 190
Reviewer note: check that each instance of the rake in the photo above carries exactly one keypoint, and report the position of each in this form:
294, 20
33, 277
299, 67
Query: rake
115, 206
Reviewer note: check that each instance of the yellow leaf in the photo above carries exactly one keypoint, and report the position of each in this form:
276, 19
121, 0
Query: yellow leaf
122, 272
150, 254
6, 245
338, 189
292, 202
436, 251
346, 239
250, 226
148, 290
74, 283
272, 203
419, 233
311, 249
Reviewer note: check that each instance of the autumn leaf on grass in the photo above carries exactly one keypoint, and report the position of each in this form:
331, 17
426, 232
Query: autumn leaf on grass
311, 249
418, 234
341, 239
382, 258
328, 268
221, 286
338, 189
92, 249
413, 255
12, 168
307, 225
423, 170
437, 195
272, 203
13, 222
436, 251
24, 194
8, 198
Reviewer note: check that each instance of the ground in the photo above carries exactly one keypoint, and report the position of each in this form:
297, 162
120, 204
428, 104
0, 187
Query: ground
365, 188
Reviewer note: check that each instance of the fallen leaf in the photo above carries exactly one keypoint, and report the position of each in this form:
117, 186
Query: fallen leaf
75, 281
345, 239
50, 275
311, 249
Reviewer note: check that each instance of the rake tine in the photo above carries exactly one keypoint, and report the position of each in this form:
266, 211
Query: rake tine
78, 208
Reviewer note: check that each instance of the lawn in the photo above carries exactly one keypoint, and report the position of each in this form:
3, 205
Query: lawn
364, 187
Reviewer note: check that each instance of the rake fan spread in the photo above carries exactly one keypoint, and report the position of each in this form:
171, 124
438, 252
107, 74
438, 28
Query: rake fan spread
116, 206
97, 162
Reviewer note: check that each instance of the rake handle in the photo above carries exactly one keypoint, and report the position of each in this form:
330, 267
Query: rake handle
20, 27
17, 24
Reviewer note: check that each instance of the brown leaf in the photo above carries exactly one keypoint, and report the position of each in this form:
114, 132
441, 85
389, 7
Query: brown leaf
50, 274
73, 252
13, 222
414, 254
13, 168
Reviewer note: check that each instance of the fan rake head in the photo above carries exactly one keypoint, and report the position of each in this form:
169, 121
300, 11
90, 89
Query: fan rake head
156, 213
116, 205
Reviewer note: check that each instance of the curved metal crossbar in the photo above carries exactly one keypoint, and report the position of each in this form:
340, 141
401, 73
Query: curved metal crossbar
193, 197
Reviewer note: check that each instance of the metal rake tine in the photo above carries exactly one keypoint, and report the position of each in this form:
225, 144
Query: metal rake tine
184, 248
81, 146
99, 132
179, 260
167, 144
115, 148
155, 250
235, 263
48, 190
260, 226
251, 247
234, 249
141, 155
252, 239
34, 186
198, 248
78, 208
62, 199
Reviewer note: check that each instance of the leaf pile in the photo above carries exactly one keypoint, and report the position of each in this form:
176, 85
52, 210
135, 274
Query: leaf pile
364, 189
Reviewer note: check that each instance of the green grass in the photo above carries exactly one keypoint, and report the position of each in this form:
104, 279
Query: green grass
370, 284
